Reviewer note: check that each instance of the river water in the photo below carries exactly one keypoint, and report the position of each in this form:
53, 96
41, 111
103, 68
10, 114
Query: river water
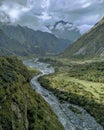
69, 119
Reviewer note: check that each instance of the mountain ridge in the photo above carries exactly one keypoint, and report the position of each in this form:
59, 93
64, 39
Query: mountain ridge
91, 44
24, 41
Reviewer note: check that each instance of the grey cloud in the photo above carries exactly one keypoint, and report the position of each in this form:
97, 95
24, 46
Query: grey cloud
34, 14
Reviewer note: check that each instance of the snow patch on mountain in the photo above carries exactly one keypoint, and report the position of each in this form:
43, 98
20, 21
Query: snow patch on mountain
65, 30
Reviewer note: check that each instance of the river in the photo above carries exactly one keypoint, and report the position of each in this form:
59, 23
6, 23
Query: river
69, 119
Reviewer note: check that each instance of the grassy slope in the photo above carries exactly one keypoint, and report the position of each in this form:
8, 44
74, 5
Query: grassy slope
20, 107
73, 81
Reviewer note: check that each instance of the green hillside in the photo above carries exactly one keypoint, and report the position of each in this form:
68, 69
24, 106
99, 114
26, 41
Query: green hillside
89, 45
21, 108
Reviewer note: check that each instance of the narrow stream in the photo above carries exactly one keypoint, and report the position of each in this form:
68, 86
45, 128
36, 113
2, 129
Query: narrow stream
69, 119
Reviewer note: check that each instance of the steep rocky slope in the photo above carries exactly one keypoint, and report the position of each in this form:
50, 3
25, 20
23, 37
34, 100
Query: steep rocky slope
89, 45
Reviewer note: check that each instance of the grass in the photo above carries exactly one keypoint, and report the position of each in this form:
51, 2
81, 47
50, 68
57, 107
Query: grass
33, 71
69, 83
64, 84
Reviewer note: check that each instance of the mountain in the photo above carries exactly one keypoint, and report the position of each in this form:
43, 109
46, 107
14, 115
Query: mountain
6, 44
89, 45
24, 41
21, 108
65, 30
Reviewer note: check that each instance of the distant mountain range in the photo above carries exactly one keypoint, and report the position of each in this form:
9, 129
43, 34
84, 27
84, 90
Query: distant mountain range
65, 30
24, 41
89, 45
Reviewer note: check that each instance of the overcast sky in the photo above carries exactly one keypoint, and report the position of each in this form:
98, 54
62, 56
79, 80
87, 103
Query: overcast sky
35, 13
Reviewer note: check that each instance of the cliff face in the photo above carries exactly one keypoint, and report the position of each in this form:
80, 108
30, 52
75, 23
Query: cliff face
20, 107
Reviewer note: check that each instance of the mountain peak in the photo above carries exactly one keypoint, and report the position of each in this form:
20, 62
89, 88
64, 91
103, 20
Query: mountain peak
63, 23
65, 30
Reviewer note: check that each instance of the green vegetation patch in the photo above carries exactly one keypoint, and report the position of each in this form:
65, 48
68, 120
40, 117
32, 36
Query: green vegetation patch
20, 107
89, 71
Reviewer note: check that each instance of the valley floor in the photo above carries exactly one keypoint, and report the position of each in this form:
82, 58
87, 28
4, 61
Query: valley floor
78, 82
71, 116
